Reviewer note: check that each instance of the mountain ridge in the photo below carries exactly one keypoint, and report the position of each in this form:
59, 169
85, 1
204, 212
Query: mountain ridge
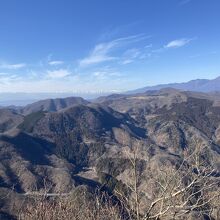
90, 143
196, 85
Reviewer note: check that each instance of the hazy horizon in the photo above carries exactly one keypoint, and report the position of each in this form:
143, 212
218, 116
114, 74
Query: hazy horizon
25, 98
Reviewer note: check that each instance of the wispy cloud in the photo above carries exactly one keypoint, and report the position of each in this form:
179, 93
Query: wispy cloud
13, 66
178, 43
57, 74
3, 74
127, 61
101, 52
7, 78
184, 2
149, 46
203, 54
56, 62
105, 74
131, 55
96, 57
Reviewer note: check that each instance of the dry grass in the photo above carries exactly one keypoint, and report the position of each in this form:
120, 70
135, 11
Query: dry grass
178, 192
80, 206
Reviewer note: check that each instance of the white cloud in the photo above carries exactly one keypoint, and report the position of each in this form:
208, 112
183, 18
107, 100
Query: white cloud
203, 54
105, 73
101, 52
12, 66
6, 78
95, 58
149, 46
56, 62
131, 55
127, 61
184, 2
57, 74
3, 74
177, 43
136, 54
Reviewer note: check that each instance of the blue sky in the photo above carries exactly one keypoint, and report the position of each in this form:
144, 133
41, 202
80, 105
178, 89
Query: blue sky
106, 45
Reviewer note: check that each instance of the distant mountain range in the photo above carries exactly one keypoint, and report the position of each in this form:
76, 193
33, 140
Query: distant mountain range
22, 99
197, 85
52, 105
